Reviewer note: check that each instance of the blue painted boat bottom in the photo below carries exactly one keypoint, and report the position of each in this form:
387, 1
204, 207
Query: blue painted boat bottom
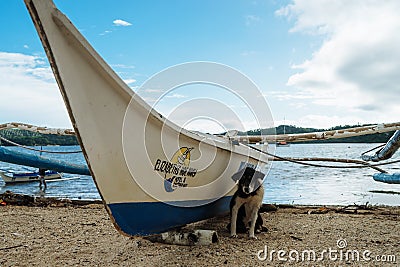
146, 218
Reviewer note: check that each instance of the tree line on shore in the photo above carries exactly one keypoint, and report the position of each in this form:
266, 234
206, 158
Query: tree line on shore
28, 138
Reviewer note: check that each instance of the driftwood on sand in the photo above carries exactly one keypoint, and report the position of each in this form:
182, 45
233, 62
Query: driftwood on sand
10, 198
186, 237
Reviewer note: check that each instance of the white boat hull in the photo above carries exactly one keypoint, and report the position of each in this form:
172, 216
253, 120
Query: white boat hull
151, 175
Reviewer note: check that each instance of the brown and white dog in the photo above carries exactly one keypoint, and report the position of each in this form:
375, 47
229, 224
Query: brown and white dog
245, 204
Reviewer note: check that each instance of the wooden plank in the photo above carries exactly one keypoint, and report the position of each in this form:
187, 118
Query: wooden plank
333, 134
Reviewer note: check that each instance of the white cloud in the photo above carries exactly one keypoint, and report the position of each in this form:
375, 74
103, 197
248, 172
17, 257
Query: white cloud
29, 92
357, 66
175, 95
129, 81
120, 22
156, 91
209, 114
326, 121
123, 66
252, 19
117, 22
287, 95
248, 53
105, 32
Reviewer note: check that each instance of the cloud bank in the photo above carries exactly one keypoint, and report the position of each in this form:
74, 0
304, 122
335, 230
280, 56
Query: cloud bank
357, 68
29, 92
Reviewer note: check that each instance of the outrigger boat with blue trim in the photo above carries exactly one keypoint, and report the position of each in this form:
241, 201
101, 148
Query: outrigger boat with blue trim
151, 174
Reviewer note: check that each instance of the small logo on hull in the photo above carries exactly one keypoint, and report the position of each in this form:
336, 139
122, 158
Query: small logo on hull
176, 171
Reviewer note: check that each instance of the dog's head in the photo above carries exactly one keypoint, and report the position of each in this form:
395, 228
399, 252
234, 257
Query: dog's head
250, 180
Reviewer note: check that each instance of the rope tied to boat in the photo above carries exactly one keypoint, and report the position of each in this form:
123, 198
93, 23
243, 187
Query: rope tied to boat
360, 163
38, 150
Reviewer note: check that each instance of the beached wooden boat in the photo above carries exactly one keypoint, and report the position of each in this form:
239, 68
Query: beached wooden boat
23, 177
151, 174
282, 143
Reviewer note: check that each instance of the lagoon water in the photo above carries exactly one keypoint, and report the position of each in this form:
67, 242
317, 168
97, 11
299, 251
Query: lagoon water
290, 183
286, 183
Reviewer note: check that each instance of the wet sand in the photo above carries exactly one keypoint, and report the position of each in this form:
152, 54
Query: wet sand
85, 236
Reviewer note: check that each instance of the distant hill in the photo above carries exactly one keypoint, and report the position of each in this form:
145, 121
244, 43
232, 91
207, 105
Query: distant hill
28, 138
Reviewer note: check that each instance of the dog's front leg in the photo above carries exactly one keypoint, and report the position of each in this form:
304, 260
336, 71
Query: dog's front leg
253, 217
234, 214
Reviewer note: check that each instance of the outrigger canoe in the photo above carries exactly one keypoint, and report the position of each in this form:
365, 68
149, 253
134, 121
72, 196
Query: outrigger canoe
151, 174
23, 177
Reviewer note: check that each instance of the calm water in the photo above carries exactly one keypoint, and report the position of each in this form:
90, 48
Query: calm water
295, 184
286, 183
80, 187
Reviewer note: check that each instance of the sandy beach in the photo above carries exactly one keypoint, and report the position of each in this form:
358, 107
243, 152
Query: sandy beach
63, 234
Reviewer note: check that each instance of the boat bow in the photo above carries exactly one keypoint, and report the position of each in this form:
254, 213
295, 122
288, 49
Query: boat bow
151, 175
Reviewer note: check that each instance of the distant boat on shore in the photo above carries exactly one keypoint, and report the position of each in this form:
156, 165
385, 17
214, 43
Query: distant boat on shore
282, 143
23, 177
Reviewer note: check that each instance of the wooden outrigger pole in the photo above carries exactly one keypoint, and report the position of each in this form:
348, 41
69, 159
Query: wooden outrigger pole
332, 134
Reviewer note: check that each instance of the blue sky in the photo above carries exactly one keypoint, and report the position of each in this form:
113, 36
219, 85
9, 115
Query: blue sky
318, 63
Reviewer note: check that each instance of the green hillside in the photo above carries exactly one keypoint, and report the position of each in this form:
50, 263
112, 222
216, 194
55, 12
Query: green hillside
28, 138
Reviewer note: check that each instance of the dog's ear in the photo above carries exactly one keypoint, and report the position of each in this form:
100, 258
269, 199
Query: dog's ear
257, 180
236, 177
256, 176
244, 172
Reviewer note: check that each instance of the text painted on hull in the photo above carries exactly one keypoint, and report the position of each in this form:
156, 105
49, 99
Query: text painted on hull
176, 171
